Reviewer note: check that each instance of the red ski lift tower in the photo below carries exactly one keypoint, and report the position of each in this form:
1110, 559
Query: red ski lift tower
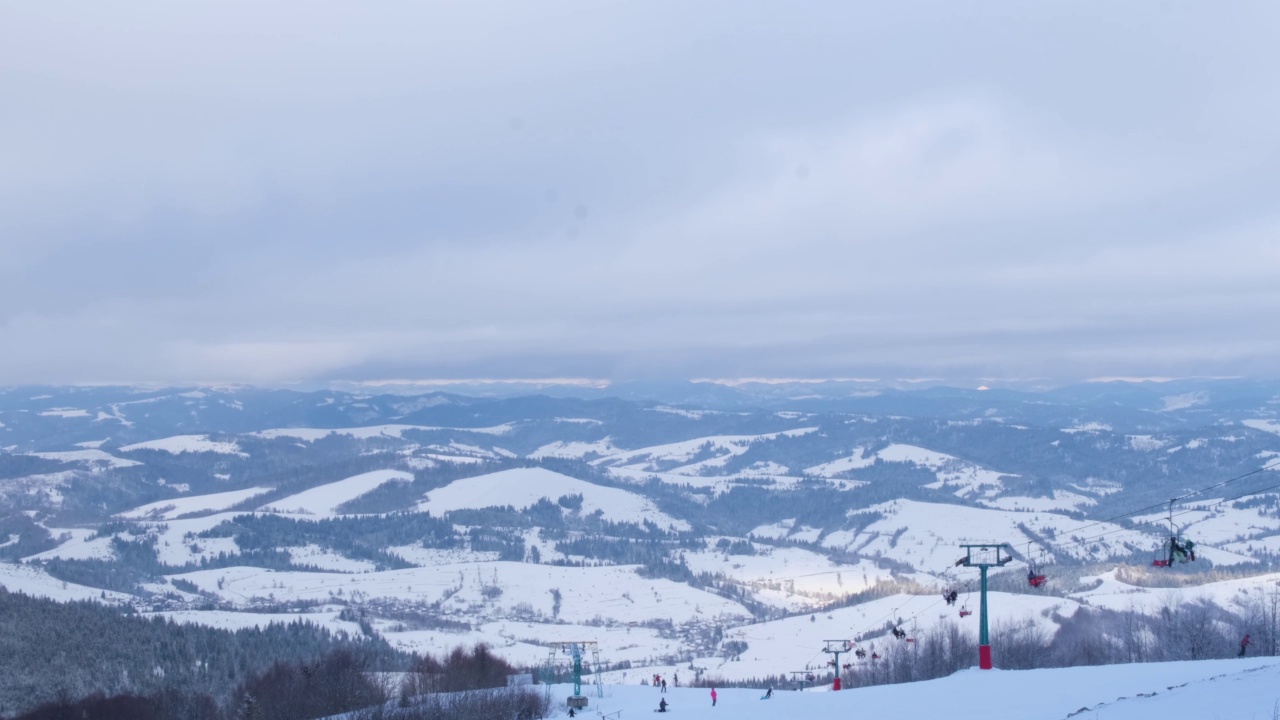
835, 648
983, 557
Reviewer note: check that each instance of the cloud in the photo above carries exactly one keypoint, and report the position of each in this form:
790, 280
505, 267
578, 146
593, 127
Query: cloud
324, 191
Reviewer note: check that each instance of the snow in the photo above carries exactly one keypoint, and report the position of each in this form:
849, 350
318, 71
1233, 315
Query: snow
1184, 401
77, 544
326, 559
94, 458
90, 444
231, 620
1145, 443
323, 501
169, 509
925, 535
1089, 427
568, 449
1241, 689
723, 448
179, 444
523, 487
34, 581
1270, 426
372, 431
853, 462
1109, 591
962, 478
65, 413
587, 594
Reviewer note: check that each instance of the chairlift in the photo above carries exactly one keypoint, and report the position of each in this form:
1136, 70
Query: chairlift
1175, 549
964, 606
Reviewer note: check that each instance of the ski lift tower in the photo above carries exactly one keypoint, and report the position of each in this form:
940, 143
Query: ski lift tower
835, 648
575, 650
984, 557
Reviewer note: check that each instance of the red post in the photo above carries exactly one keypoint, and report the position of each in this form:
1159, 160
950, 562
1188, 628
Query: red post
836, 685
984, 657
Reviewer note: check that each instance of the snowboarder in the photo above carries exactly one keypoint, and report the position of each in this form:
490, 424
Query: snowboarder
571, 713
768, 693
713, 697
662, 705
1244, 645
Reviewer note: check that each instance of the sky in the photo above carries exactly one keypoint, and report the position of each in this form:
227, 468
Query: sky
331, 191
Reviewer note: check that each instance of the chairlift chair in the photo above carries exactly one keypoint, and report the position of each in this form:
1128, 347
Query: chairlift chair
1035, 578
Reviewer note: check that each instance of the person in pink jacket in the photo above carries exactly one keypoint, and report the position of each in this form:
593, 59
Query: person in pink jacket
713, 697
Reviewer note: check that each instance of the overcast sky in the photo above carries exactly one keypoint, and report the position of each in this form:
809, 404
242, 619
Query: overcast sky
319, 191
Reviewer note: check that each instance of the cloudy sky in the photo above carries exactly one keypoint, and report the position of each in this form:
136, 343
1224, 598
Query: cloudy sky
334, 191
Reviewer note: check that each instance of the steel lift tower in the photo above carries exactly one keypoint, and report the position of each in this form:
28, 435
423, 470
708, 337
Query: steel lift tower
983, 557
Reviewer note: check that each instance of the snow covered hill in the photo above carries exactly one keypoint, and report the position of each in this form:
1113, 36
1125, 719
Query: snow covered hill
1245, 689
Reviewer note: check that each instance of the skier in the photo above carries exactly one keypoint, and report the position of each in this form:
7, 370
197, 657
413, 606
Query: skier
1244, 645
713, 697
571, 713
899, 633
950, 596
664, 685
662, 705
862, 654
676, 678
1179, 551
768, 693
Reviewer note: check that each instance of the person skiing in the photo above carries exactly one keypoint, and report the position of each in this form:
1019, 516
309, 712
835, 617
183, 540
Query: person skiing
662, 705
664, 685
1244, 645
713, 697
571, 713
676, 678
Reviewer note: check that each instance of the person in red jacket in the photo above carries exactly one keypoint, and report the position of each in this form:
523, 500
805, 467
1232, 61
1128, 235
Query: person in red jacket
713, 697
1244, 645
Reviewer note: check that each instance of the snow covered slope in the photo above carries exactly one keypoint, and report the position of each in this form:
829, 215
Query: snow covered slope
323, 501
1245, 689
523, 487
169, 509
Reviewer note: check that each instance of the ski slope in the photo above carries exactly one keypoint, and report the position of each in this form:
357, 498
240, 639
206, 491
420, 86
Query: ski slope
1245, 689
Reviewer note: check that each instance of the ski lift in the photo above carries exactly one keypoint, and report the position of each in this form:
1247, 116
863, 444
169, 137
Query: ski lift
1175, 549
1035, 578
964, 606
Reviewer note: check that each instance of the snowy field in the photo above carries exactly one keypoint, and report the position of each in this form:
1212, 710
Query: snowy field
1247, 689
170, 509
523, 487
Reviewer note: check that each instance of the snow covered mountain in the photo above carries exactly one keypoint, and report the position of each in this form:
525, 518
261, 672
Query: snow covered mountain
675, 535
